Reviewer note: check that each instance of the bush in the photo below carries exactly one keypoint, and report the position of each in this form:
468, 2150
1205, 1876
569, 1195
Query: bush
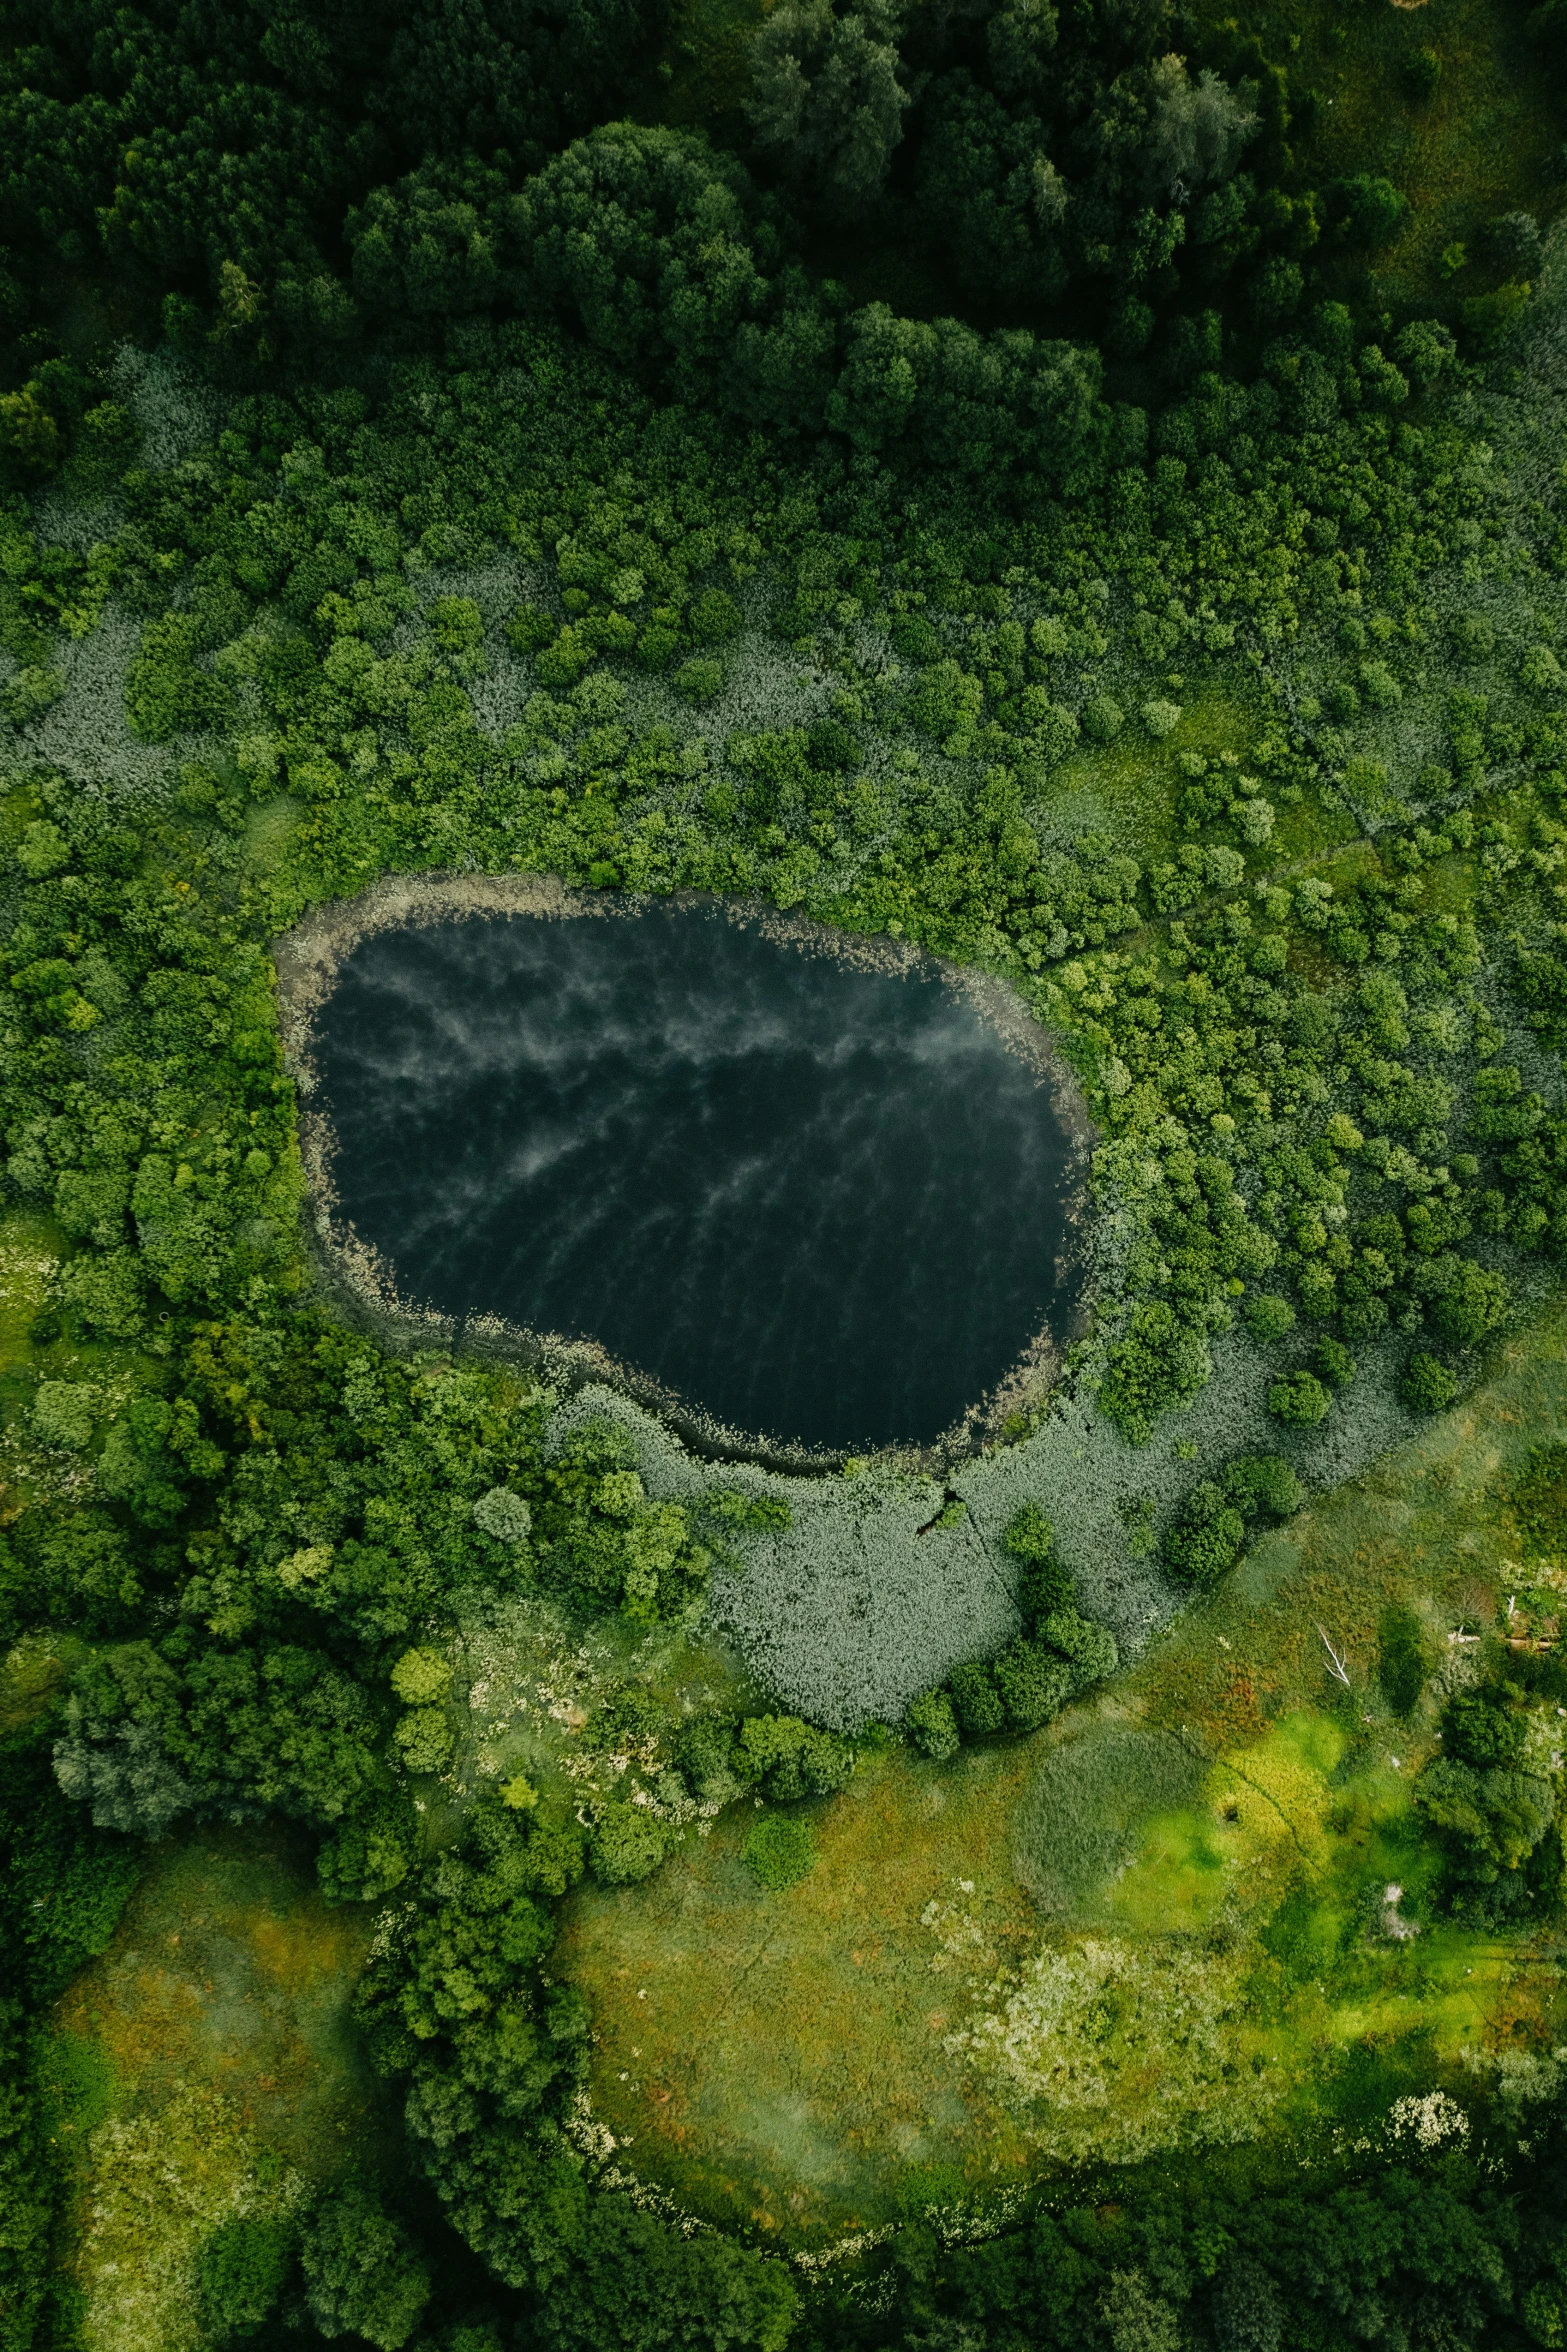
1032, 1683
1045, 1583
1370, 209
793, 1759
933, 1726
1089, 1649
1103, 719
977, 1701
1479, 1728
1403, 1659
503, 1516
1263, 1482
1333, 1363
1206, 1542
1422, 72
425, 1738
529, 630
363, 2274
699, 681
1427, 1385
422, 1678
1267, 1316
240, 2273
779, 1850
1299, 1400
628, 1843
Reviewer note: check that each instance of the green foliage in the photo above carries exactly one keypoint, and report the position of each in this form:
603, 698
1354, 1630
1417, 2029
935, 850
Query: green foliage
1032, 1683
978, 1704
1404, 1659
779, 1849
364, 2275
422, 1678
1299, 1400
628, 1845
1090, 1650
933, 1726
788, 1758
241, 2273
1045, 1584
1427, 1384
642, 2285
1279, 1058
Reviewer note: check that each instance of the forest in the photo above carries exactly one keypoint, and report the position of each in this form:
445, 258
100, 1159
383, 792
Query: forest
1074, 488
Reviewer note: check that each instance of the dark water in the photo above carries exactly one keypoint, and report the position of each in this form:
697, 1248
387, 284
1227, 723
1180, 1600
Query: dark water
822, 1205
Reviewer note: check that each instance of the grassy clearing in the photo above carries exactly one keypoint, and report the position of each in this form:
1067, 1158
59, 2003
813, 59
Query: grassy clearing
230, 1973
1486, 141
1132, 784
1215, 1842
205, 2069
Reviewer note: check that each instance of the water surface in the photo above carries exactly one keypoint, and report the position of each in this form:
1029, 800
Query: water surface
820, 1204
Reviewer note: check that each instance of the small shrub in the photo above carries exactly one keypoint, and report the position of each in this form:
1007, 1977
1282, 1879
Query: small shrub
1267, 1316
1161, 718
779, 1850
793, 1759
1206, 1540
422, 1678
1299, 1400
1427, 1385
1371, 210
699, 681
1422, 72
714, 616
364, 2276
65, 1412
628, 1844
240, 2273
503, 1515
1103, 719
1403, 1659
529, 630
1045, 1583
1263, 1483
1333, 1363
1089, 1649
933, 1727
1032, 1683
1479, 1728
704, 1752
563, 662
425, 1739
977, 1701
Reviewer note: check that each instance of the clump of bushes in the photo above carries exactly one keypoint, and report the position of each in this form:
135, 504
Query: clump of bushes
1488, 1797
1028, 1682
1209, 1531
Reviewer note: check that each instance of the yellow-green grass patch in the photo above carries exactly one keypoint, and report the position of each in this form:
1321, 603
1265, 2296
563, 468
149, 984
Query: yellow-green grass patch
817, 2060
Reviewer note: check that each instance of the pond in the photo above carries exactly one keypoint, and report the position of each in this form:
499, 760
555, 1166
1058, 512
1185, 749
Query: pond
807, 1189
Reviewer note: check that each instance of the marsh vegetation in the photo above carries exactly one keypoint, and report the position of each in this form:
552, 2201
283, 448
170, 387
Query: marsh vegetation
1067, 497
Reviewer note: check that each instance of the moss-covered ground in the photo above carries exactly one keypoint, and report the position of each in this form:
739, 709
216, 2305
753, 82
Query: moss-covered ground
1227, 1837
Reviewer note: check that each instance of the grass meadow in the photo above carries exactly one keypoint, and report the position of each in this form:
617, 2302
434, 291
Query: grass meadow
1165, 1921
